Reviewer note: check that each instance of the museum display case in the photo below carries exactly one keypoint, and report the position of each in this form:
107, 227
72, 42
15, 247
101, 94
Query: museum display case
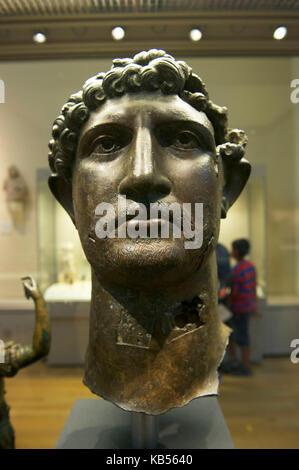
247, 219
63, 272
63, 277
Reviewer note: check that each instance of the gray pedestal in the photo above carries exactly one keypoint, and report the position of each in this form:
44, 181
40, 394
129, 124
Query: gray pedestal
97, 424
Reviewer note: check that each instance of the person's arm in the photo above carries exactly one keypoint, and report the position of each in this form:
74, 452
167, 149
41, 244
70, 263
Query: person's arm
27, 354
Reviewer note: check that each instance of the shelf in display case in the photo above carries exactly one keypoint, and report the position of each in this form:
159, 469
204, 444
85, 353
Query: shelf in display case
79, 291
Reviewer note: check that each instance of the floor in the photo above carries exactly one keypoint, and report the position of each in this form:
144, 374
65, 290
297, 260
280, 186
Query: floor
261, 411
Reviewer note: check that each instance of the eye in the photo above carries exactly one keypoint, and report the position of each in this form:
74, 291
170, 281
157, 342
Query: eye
181, 137
107, 144
186, 140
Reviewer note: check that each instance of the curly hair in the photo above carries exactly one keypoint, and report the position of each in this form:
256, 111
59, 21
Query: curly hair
148, 71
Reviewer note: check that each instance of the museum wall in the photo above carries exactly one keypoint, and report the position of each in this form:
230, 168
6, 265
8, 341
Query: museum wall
35, 92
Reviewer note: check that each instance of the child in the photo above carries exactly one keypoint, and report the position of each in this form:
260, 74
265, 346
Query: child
243, 305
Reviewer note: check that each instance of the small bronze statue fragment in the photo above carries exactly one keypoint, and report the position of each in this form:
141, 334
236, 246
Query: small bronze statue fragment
17, 356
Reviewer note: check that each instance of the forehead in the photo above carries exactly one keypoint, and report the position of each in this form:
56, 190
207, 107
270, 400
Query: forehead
148, 109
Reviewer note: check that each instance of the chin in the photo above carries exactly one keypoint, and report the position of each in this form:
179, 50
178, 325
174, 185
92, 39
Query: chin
146, 262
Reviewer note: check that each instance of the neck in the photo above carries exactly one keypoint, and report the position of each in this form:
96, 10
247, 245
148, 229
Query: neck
131, 328
157, 311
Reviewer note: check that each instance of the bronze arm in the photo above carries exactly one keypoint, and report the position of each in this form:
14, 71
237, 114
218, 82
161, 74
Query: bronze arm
17, 355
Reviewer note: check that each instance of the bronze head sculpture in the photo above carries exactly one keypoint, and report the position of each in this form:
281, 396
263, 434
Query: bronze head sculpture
148, 131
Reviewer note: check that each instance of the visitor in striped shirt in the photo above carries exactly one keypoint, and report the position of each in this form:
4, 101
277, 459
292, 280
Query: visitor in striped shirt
243, 305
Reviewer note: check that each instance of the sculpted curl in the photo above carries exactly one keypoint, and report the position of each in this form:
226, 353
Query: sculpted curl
151, 70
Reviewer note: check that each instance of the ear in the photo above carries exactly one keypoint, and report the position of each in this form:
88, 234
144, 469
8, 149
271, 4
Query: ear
62, 190
236, 173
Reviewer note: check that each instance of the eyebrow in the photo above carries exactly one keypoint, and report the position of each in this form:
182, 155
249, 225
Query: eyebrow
179, 114
179, 110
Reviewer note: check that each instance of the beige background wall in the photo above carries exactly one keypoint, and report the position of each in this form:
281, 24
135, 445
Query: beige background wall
257, 92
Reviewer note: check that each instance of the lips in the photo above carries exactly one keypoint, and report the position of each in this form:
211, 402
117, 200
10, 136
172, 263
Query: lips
148, 223
148, 220
157, 220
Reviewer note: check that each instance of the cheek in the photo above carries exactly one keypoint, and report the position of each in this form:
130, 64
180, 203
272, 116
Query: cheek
94, 183
91, 186
197, 180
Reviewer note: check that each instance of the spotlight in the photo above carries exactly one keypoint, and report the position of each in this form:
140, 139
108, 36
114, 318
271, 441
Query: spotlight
280, 32
118, 33
195, 34
39, 38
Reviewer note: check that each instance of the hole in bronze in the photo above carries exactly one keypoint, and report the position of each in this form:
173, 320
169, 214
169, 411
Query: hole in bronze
189, 314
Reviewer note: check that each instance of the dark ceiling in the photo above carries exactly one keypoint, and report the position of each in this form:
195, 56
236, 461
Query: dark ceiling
74, 7
82, 28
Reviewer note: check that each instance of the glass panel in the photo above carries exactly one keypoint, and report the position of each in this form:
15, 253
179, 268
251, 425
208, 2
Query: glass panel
246, 219
257, 225
64, 273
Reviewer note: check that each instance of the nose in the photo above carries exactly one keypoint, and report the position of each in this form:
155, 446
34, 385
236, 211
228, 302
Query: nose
144, 182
